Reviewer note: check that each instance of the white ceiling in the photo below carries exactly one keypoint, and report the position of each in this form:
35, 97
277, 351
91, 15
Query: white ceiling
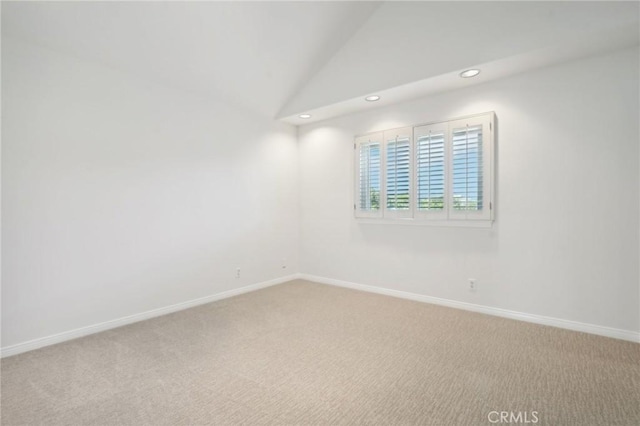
254, 54
413, 49
286, 58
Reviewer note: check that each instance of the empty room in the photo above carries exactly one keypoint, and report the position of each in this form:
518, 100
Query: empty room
320, 213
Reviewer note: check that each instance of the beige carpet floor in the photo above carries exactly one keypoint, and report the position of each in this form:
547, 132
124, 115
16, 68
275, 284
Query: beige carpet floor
305, 353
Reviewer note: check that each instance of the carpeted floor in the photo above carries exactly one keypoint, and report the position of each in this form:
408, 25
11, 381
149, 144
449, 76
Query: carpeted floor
305, 353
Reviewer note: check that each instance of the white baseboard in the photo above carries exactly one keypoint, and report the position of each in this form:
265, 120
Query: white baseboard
615, 333
119, 322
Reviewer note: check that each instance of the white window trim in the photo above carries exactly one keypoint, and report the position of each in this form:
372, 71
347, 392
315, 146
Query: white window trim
448, 217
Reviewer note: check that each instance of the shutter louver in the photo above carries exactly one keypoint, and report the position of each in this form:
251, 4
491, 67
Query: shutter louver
398, 174
467, 169
430, 164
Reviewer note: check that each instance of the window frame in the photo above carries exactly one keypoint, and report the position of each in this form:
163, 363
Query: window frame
447, 216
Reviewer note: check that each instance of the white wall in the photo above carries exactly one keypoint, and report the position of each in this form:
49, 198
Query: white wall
566, 239
120, 196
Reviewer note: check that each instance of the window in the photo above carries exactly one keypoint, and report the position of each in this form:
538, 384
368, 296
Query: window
434, 173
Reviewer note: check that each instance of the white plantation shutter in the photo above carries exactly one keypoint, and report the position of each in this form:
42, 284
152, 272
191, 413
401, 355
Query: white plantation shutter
470, 162
430, 171
467, 168
368, 176
398, 172
440, 173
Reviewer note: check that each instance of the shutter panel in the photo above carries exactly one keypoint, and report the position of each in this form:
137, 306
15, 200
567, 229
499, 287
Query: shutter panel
368, 167
470, 168
467, 168
398, 172
431, 190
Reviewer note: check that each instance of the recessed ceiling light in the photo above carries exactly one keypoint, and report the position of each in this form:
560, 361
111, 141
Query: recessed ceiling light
305, 116
372, 98
469, 73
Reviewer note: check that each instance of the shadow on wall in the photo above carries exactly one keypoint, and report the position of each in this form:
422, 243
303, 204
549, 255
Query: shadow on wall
427, 239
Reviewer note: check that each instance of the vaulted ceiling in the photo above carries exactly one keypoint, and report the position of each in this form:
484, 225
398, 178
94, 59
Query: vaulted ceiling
254, 54
281, 59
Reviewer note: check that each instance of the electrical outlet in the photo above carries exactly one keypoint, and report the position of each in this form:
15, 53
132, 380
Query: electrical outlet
238, 272
472, 284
